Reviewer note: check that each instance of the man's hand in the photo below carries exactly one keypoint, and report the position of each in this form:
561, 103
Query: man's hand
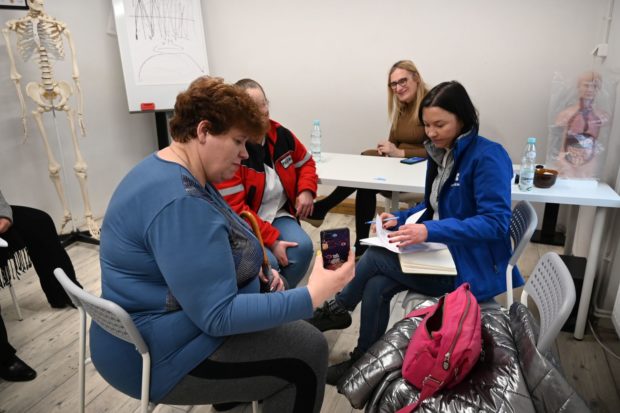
5, 224
304, 204
279, 250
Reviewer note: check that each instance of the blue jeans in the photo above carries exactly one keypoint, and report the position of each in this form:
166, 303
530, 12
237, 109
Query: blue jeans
378, 278
299, 257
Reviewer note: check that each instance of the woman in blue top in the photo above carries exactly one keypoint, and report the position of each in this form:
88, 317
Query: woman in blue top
467, 201
185, 266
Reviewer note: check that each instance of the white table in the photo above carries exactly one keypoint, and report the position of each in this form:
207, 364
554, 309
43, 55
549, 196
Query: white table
382, 173
372, 172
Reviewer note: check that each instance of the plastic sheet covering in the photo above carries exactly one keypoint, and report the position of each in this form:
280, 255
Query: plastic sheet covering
580, 111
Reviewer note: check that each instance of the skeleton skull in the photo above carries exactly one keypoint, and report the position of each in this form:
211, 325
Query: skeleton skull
36, 5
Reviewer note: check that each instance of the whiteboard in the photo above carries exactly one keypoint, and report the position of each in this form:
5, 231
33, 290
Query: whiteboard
162, 47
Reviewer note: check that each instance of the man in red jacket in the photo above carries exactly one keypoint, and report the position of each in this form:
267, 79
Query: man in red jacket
278, 184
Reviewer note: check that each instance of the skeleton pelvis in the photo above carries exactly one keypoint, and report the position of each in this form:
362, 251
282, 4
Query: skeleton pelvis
56, 98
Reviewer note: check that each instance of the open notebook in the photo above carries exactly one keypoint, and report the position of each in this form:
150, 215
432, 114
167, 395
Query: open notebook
424, 258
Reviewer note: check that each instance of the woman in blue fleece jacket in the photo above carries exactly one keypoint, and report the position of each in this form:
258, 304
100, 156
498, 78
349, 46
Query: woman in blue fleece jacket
186, 268
467, 201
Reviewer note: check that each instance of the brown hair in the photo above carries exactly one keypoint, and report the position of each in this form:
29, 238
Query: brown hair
222, 105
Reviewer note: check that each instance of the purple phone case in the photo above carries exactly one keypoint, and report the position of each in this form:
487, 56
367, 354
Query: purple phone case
335, 246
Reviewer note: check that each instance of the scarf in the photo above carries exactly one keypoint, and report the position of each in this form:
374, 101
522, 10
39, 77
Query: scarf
14, 260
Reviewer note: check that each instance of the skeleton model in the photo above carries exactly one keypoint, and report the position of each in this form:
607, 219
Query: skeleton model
39, 36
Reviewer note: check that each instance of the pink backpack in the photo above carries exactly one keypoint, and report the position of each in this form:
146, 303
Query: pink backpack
445, 346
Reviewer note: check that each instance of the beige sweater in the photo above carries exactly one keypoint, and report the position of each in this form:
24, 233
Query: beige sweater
408, 135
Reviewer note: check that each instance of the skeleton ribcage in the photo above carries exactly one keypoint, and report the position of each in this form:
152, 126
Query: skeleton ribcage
35, 35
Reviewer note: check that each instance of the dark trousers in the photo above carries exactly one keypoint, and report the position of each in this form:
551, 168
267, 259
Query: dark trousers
378, 277
6, 350
38, 232
284, 367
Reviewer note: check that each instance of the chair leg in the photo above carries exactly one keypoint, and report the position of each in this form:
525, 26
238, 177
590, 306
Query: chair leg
15, 303
255, 406
146, 383
509, 296
81, 360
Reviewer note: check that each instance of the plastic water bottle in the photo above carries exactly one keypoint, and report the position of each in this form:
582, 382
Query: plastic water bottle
315, 141
528, 166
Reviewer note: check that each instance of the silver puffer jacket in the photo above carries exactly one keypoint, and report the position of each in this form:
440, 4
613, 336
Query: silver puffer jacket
497, 383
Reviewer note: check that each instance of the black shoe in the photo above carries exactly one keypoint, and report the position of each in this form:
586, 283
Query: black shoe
16, 370
335, 372
315, 222
316, 218
330, 316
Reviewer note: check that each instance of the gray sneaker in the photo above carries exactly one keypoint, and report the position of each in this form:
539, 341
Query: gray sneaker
330, 316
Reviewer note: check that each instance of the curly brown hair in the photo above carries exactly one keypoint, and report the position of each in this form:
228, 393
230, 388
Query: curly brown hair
222, 105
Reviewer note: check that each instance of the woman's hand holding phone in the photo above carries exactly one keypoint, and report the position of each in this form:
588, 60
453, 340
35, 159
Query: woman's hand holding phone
323, 284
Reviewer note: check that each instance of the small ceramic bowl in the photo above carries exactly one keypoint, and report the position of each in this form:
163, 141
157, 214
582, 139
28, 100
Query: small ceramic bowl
545, 178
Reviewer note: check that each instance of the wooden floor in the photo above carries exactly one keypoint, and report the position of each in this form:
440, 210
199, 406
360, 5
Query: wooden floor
47, 339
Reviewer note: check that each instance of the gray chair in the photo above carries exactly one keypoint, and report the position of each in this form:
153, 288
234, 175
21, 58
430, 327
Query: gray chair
4, 244
523, 222
552, 289
112, 318
116, 321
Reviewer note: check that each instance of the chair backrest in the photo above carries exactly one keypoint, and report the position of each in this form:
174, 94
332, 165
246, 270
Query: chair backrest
522, 225
552, 289
108, 315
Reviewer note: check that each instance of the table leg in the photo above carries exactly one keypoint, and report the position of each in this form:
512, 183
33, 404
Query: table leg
571, 223
590, 274
395, 201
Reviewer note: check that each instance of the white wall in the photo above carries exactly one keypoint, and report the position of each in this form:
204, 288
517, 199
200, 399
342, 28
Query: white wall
329, 60
322, 59
115, 139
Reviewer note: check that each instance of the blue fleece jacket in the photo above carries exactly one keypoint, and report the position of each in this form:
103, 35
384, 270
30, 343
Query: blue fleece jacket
474, 214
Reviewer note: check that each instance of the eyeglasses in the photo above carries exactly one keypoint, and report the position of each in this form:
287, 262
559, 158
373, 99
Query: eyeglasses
400, 82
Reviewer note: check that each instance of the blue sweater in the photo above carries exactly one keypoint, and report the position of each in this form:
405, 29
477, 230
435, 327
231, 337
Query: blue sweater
474, 214
172, 255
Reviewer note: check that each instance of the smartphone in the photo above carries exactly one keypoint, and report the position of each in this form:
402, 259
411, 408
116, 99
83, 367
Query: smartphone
335, 246
412, 160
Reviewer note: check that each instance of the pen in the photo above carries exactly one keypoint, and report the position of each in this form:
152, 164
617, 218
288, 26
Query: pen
385, 220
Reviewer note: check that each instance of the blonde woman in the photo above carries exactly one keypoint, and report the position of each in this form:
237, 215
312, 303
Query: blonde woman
405, 88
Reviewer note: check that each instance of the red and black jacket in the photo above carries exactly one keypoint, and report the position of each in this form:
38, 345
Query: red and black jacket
291, 161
